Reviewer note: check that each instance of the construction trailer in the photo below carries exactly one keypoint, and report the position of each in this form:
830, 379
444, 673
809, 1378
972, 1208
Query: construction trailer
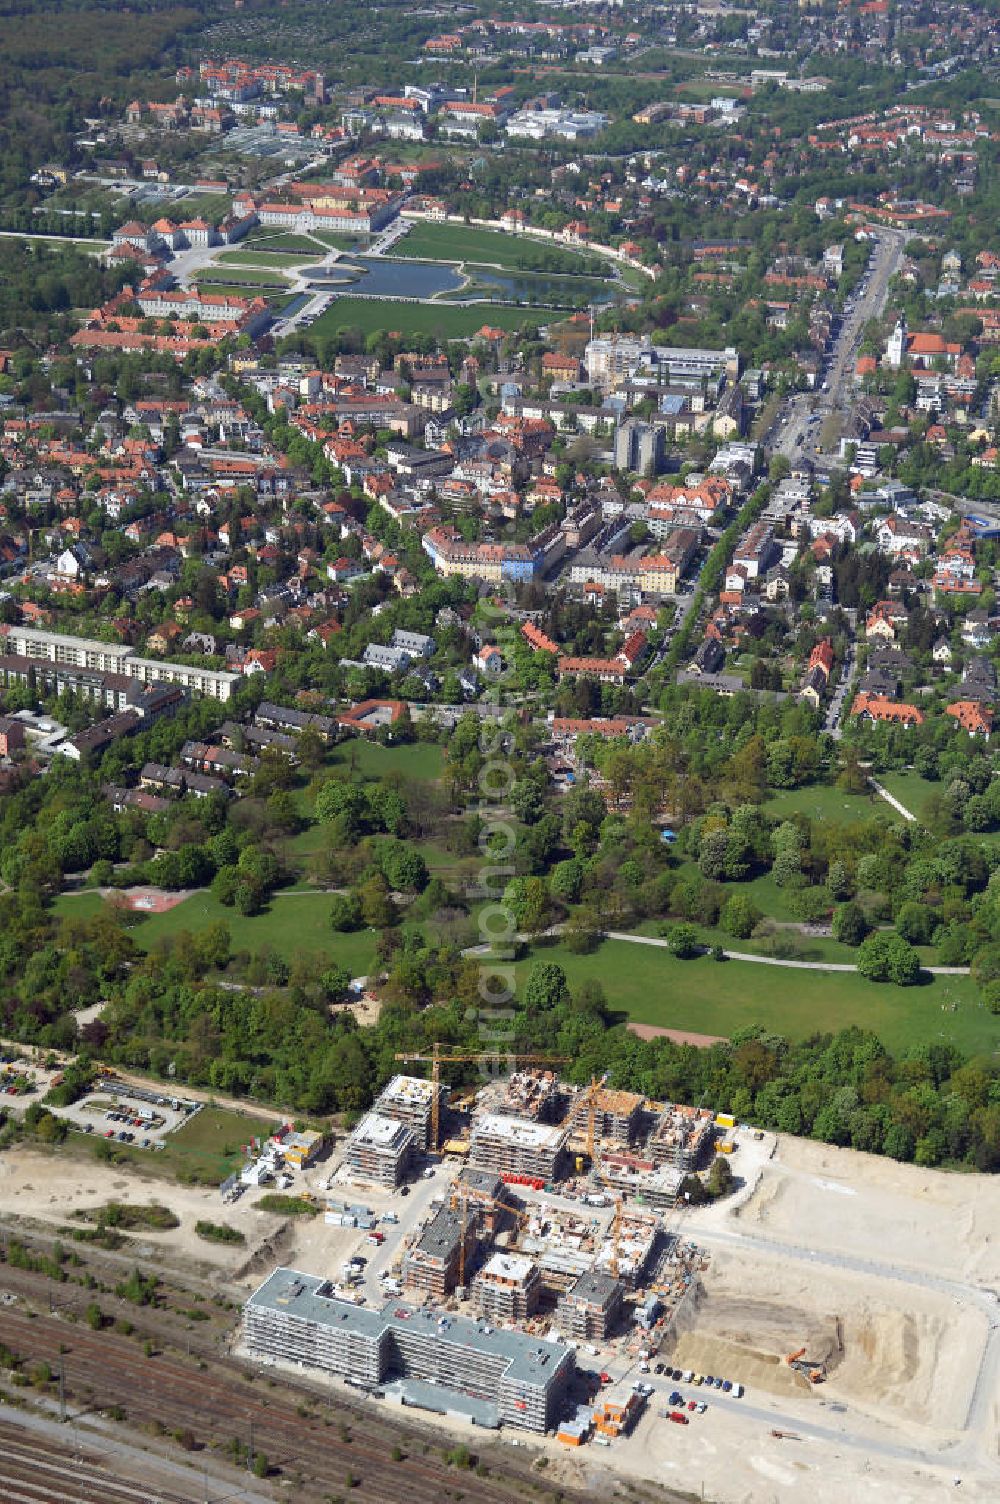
574, 1432
380, 1150
511, 1378
616, 1417
431, 1266
591, 1308
512, 1146
507, 1288
410, 1100
300, 1149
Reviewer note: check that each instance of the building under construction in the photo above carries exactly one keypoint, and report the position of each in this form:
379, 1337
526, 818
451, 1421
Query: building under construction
507, 1288
410, 1100
681, 1138
617, 1116
631, 1246
433, 1265
494, 1376
511, 1146
635, 1174
535, 1095
484, 1190
380, 1150
591, 1308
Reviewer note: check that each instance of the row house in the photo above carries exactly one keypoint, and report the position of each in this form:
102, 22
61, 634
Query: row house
878, 710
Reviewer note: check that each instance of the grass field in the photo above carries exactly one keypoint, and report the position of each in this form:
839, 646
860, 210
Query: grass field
278, 260
294, 923
339, 242
248, 275
437, 319
369, 760
911, 790
212, 206
207, 1148
709, 997
822, 802
278, 302
429, 242
635, 280
279, 240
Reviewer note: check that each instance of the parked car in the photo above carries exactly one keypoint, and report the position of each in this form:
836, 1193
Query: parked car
679, 1418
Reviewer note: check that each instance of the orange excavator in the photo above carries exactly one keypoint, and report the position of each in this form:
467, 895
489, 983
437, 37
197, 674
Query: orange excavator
814, 1372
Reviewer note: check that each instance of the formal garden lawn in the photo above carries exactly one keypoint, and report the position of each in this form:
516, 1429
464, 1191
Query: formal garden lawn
264, 257
251, 276
279, 240
429, 242
650, 986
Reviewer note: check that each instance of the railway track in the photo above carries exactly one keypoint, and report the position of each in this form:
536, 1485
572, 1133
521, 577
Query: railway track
34, 1471
215, 1403
167, 1326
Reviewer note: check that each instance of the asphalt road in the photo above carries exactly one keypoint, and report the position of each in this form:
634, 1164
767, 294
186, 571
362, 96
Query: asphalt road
792, 436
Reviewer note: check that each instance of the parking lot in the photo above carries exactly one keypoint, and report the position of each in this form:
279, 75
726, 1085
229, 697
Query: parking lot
129, 1116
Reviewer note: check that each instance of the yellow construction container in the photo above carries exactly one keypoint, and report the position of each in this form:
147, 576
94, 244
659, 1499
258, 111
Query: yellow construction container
725, 1120
725, 1148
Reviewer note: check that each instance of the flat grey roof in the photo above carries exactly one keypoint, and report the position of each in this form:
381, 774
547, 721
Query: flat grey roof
445, 1401
442, 1234
289, 1292
594, 1287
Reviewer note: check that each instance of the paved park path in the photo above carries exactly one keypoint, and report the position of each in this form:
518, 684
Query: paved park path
883, 793
744, 955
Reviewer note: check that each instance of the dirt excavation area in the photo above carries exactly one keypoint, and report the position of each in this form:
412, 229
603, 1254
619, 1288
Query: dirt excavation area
53, 1189
902, 1361
856, 1204
880, 1276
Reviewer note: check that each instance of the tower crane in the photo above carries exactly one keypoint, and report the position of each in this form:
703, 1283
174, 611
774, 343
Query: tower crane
460, 1201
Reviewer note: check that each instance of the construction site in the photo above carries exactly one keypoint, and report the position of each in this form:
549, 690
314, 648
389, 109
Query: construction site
829, 1325
563, 1215
530, 1207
